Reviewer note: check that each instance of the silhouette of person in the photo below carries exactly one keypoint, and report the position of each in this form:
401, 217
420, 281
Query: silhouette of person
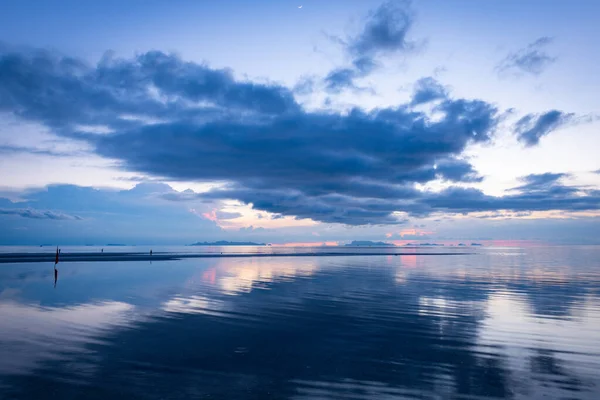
55, 276
102, 251
150, 251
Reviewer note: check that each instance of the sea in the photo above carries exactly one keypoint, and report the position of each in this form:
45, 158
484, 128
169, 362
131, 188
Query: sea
485, 322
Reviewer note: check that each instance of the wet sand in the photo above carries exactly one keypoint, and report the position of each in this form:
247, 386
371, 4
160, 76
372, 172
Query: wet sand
72, 257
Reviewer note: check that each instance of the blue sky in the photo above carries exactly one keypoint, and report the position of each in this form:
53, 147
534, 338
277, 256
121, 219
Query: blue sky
268, 121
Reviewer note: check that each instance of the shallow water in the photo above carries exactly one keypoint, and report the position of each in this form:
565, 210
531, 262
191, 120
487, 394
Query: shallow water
518, 323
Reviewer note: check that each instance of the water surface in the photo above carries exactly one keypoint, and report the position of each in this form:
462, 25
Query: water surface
519, 323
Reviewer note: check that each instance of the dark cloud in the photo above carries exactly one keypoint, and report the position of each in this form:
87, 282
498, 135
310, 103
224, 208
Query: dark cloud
188, 122
62, 93
540, 192
361, 155
428, 89
457, 171
532, 60
532, 127
38, 214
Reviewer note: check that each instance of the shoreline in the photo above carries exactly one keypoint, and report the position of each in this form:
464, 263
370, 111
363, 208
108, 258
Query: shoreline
6, 258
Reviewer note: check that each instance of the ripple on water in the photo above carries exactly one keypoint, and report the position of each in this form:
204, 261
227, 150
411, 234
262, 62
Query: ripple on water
503, 323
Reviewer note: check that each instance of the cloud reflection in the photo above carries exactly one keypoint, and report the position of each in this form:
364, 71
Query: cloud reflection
242, 276
36, 334
540, 358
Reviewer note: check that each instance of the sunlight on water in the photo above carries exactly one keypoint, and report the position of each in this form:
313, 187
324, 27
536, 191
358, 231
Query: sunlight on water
519, 323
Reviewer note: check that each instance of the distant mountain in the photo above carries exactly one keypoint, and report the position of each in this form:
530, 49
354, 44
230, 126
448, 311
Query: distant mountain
356, 243
476, 244
226, 243
116, 244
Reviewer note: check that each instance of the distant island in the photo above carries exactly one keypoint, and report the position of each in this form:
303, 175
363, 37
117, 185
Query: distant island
116, 244
476, 244
226, 243
356, 243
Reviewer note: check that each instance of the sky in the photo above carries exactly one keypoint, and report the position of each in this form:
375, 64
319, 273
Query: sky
307, 122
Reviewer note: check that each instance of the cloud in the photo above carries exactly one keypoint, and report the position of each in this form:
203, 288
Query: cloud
38, 214
385, 32
427, 90
195, 123
316, 156
137, 215
223, 215
252, 229
544, 181
364, 65
217, 215
340, 79
12, 149
69, 93
532, 60
305, 85
540, 192
503, 215
532, 127
457, 171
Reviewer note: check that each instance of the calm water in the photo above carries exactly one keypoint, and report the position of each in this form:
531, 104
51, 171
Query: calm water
519, 323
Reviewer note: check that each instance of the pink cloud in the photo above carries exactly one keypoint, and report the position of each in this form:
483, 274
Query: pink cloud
211, 215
